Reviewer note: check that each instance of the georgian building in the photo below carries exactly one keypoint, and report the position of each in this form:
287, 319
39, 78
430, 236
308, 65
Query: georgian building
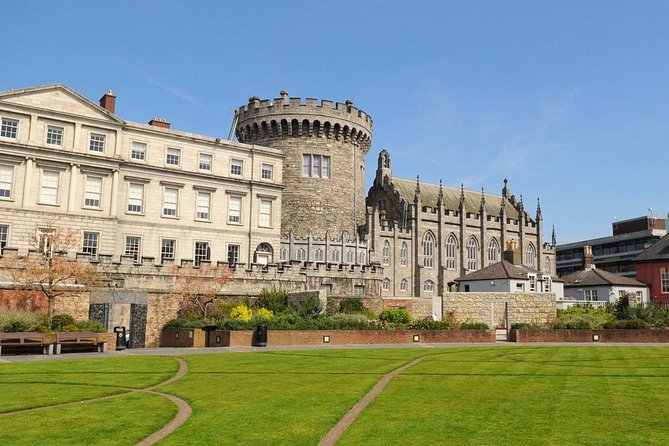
131, 189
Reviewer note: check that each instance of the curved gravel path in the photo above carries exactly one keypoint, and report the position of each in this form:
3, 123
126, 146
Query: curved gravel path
331, 438
184, 409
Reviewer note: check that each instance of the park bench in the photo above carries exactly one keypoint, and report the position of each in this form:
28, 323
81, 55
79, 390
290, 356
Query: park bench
79, 340
26, 340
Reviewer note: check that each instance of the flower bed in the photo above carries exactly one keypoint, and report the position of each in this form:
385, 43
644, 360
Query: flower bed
190, 337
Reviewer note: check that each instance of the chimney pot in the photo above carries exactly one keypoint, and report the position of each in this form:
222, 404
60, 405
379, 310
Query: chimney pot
159, 122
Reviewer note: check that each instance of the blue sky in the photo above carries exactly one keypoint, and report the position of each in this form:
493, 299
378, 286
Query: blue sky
569, 100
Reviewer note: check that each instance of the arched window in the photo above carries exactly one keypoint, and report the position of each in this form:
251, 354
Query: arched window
386, 284
318, 255
301, 254
428, 286
472, 254
531, 256
283, 254
362, 258
404, 254
451, 252
493, 251
264, 253
547, 265
428, 250
350, 257
404, 284
336, 256
386, 252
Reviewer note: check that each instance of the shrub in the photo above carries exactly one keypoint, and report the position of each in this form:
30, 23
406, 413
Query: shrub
185, 323
18, 321
351, 305
60, 321
275, 300
520, 326
428, 324
264, 314
474, 326
582, 317
308, 307
631, 324
395, 316
91, 326
241, 313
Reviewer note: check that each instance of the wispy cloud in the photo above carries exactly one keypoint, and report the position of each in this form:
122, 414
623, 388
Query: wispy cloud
158, 83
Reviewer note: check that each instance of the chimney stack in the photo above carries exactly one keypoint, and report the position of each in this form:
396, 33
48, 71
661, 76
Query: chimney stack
512, 255
159, 122
588, 258
108, 101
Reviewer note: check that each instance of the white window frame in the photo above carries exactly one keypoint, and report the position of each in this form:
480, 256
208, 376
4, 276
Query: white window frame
301, 254
54, 135
172, 157
138, 198
138, 150
203, 164
198, 256
236, 167
136, 254
316, 165
90, 248
6, 181
4, 236
591, 295
533, 282
170, 209
9, 128
97, 142
203, 206
267, 171
168, 254
235, 203
265, 209
91, 194
47, 190
664, 280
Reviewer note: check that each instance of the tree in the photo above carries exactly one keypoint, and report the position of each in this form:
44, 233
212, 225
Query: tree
48, 269
197, 287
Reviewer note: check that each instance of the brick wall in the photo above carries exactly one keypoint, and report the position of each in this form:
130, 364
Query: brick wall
653, 336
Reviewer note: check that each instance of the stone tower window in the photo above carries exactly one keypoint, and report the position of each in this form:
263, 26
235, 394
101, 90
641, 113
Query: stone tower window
301, 255
428, 250
531, 256
336, 256
386, 284
451, 250
493, 251
472, 254
386, 253
547, 265
404, 254
428, 286
404, 285
315, 166
318, 255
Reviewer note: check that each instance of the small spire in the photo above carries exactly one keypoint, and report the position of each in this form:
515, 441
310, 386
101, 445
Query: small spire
482, 199
440, 197
539, 216
417, 195
505, 189
553, 238
462, 195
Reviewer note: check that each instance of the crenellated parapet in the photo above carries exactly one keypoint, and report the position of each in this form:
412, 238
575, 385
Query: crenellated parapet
282, 117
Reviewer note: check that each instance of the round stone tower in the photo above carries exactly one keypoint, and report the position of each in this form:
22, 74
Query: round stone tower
324, 147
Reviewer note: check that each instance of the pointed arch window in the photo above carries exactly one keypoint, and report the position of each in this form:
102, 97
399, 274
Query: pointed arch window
362, 257
547, 265
472, 254
386, 252
493, 251
451, 252
386, 284
301, 255
428, 286
283, 254
318, 255
428, 250
350, 257
336, 256
404, 254
531, 256
404, 285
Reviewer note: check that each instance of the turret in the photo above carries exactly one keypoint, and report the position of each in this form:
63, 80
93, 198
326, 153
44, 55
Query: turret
324, 146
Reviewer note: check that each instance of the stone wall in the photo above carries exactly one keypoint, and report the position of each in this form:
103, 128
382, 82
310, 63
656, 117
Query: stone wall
160, 309
489, 308
420, 308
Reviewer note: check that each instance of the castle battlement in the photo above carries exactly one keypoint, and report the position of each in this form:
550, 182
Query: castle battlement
283, 116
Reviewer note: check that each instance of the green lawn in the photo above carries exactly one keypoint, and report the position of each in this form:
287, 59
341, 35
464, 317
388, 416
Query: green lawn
457, 395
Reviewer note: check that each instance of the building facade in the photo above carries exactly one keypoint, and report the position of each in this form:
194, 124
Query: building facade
425, 236
615, 253
652, 267
130, 189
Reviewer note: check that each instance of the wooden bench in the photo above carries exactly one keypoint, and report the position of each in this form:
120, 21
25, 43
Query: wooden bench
26, 340
80, 339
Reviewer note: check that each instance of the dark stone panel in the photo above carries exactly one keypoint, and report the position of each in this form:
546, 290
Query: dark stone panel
100, 313
137, 325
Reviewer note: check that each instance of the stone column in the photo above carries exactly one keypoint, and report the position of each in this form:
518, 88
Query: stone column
27, 181
71, 196
114, 194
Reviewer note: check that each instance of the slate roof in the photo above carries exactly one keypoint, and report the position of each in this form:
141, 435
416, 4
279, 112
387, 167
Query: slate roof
659, 251
430, 192
500, 270
598, 277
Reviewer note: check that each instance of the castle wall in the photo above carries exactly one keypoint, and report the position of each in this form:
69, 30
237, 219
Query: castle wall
490, 308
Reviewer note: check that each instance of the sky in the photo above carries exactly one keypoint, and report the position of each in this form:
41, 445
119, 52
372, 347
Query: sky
569, 100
